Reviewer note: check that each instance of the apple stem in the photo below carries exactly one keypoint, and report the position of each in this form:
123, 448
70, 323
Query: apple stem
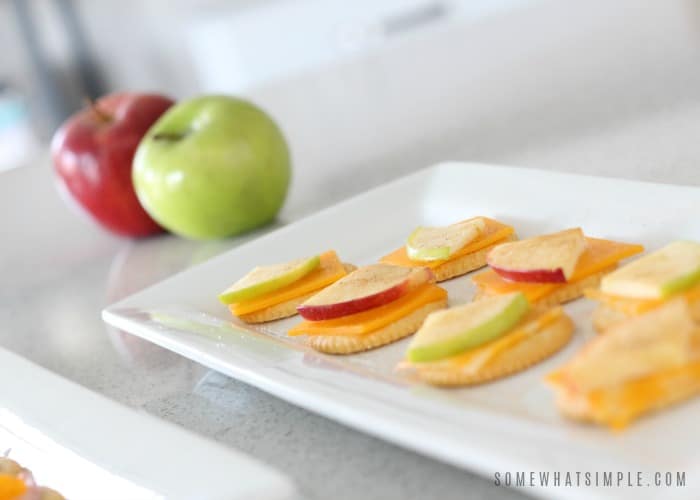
101, 114
167, 136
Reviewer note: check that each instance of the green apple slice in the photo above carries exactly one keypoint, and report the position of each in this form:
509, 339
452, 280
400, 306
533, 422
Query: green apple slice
439, 243
266, 279
658, 275
452, 331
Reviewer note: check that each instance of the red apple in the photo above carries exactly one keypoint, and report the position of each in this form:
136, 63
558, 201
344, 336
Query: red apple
92, 154
551, 258
368, 287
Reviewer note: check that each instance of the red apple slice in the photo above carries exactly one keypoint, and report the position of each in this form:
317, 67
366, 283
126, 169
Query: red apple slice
368, 287
550, 258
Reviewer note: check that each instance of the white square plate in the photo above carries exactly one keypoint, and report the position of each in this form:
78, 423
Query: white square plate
506, 426
88, 447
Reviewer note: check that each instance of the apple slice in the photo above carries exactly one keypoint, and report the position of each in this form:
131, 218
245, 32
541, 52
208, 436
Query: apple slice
672, 269
366, 288
439, 243
266, 279
659, 340
452, 331
550, 258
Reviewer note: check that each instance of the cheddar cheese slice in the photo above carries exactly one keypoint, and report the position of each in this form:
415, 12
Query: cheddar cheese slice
373, 319
633, 307
618, 406
329, 270
493, 232
11, 487
598, 256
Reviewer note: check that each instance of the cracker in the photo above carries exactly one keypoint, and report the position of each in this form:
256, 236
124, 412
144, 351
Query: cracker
284, 309
565, 293
604, 317
694, 305
278, 311
523, 355
347, 344
467, 263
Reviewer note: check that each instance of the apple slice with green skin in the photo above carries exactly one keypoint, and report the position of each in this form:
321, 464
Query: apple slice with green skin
266, 279
453, 331
366, 288
439, 243
658, 275
550, 258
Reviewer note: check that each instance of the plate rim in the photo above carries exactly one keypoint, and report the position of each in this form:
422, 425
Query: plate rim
100, 448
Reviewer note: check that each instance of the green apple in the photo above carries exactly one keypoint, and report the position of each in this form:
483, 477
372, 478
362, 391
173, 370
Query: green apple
212, 167
439, 243
265, 279
658, 275
453, 331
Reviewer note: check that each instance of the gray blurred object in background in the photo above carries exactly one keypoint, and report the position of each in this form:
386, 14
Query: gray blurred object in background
59, 86
51, 88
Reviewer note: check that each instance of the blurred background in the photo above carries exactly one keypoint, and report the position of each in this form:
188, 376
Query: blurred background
369, 90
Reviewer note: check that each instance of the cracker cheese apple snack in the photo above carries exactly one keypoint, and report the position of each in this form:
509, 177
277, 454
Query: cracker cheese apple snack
485, 340
273, 292
18, 483
639, 365
370, 307
649, 282
453, 250
551, 269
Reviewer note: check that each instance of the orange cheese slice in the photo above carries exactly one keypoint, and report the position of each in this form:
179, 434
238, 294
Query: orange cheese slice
11, 487
598, 256
634, 307
373, 319
329, 271
480, 357
617, 406
493, 233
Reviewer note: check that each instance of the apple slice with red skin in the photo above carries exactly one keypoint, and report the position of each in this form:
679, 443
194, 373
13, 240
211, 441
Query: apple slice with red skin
366, 288
550, 258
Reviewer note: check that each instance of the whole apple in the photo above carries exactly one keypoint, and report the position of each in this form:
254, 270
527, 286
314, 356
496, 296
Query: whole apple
212, 167
93, 152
